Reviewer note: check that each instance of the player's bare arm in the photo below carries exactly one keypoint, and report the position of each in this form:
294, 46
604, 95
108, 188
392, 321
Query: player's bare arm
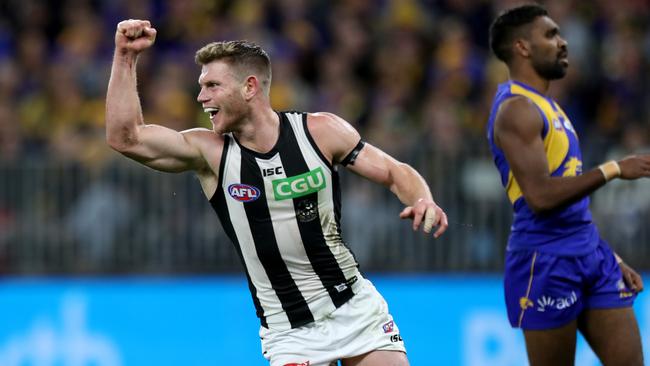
156, 146
336, 138
518, 132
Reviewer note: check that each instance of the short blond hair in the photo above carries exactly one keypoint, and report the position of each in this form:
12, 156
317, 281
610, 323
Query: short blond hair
244, 56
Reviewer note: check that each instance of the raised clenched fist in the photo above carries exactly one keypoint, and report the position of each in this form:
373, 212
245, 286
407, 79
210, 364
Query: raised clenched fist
133, 36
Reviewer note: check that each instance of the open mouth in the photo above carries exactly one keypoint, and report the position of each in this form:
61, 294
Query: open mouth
211, 111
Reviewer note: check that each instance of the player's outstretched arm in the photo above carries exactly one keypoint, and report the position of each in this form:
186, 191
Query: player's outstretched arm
156, 146
336, 138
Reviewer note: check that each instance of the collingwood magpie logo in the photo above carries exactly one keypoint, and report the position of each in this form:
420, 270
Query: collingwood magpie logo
307, 210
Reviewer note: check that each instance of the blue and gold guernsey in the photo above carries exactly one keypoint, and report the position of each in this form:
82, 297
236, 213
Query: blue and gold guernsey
567, 230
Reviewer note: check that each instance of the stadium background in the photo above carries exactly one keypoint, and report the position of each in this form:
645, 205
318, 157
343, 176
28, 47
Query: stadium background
82, 227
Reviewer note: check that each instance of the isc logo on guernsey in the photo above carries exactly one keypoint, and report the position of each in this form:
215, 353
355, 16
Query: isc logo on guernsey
243, 192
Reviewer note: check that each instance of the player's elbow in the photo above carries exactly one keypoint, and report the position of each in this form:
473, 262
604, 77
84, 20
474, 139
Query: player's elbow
539, 203
536, 208
121, 140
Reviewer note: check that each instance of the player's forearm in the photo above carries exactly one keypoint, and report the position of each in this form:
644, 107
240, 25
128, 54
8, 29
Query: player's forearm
408, 185
123, 110
555, 192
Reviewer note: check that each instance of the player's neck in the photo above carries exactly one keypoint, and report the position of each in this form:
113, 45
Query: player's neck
530, 78
262, 130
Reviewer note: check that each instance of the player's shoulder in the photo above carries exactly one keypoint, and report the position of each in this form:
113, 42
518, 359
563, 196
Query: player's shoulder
334, 136
516, 105
327, 121
210, 146
517, 111
323, 117
200, 134
205, 140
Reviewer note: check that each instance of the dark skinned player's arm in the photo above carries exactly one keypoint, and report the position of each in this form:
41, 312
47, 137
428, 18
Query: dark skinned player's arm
518, 132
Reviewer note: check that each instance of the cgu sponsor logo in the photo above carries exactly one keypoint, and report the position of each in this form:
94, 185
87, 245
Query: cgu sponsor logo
299, 185
560, 303
243, 192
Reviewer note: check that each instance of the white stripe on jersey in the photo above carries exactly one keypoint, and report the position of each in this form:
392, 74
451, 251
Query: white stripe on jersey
268, 299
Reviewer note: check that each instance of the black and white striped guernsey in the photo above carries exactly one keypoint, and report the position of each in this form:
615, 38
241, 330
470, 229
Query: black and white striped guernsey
281, 209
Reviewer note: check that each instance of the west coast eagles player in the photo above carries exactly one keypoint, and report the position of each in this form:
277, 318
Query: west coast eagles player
560, 275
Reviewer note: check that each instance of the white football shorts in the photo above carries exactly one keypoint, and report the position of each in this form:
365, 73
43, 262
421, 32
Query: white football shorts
361, 325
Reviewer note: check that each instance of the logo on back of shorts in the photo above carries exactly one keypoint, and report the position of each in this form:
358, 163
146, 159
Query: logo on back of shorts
299, 185
298, 364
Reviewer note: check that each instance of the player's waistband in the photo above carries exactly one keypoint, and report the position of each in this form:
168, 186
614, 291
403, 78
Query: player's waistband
579, 242
320, 307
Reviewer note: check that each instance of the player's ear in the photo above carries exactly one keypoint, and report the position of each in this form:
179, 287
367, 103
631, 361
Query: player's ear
522, 47
251, 87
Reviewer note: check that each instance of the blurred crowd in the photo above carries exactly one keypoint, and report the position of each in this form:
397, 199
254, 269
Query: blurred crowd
413, 76
400, 70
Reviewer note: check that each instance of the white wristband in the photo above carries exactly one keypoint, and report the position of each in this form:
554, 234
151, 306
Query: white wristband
610, 170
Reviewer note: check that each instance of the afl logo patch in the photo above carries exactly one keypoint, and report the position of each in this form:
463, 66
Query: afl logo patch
243, 192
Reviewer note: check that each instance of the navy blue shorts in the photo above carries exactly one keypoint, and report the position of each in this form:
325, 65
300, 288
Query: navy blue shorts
545, 291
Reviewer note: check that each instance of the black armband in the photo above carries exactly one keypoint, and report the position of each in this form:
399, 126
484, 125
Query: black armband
352, 156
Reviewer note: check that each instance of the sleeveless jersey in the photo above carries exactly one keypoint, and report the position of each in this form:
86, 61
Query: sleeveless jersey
567, 230
281, 210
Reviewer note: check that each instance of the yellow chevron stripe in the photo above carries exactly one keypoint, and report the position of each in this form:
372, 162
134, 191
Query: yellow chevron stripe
556, 142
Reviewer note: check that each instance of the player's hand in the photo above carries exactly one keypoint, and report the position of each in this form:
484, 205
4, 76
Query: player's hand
632, 279
427, 213
635, 166
134, 36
